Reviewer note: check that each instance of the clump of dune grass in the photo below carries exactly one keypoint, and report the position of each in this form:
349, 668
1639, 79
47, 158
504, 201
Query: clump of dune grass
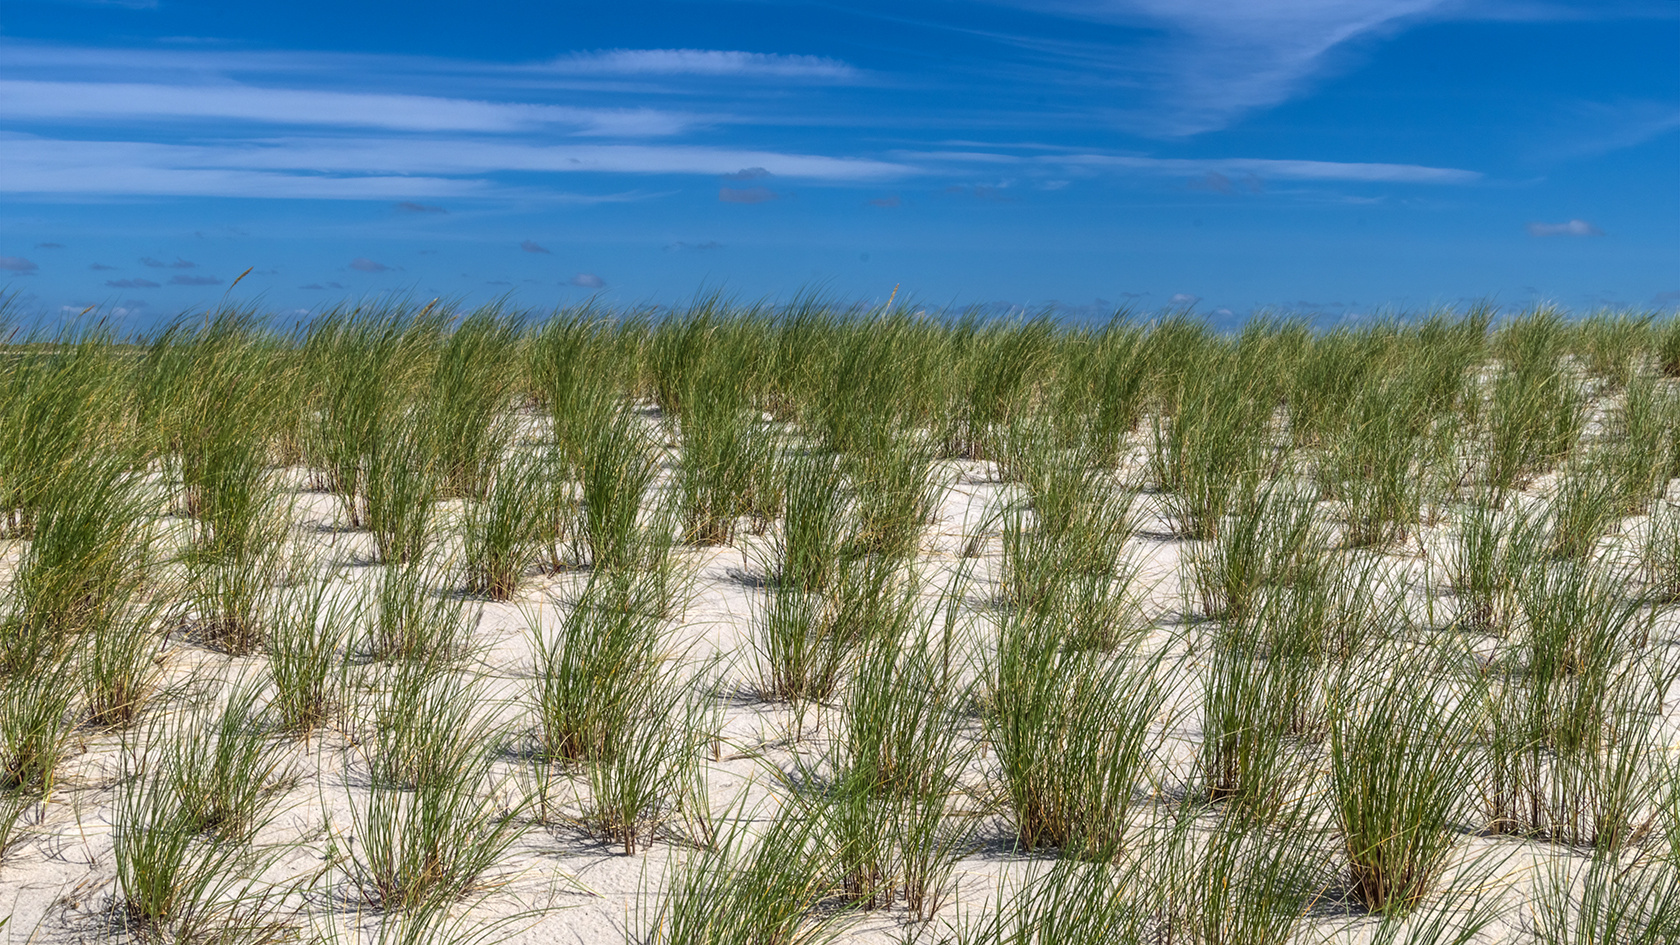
807, 549
618, 465
1246, 709
34, 730
467, 402
1240, 880
1065, 550
424, 729
364, 364
505, 531
993, 381
1614, 899
225, 771
1214, 443
886, 791
1490, 550
1065, 901
805, 638
402, 487
1659, 553
436, 842
186, 814
1374, 463
90, 557
715, 471
745, 889
409, 618
1586, 505
1568, 714
597, 669
117, 666
1614, 346
893, 488
1636, 453
1072, 732
1535, 408
1400, 757
59, 394
306, 663
637, 782
1263, 542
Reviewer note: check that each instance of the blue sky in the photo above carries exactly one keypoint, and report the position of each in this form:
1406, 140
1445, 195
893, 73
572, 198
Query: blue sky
1332, 156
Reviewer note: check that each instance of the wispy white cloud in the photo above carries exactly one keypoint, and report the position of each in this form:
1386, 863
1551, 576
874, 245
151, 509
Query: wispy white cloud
702, 62
25, 99
1217, 59
1592, 128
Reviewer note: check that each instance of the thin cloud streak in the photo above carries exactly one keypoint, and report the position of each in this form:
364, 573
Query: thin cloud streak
132, 101
1353, 172
1259, 168
371, 169
702, 62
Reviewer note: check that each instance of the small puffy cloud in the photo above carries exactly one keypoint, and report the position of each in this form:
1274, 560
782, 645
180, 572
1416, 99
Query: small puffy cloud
194, 280
588, 280
1183, 298
1213, 181
364, 264
49, 245
1217, 183
17, 264
179, 263
1572, 228
532, 246
891, 200
748, 173
409, 206
131, 283
981, 191
101, 267
746, 195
